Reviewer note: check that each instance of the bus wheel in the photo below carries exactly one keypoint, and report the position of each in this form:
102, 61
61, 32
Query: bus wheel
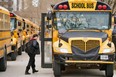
13, 56
20, 51
56, 69
109, 70
3, 61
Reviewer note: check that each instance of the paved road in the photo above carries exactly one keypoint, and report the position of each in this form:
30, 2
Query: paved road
17, 68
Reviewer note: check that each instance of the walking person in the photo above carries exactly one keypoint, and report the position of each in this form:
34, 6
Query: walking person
32, 48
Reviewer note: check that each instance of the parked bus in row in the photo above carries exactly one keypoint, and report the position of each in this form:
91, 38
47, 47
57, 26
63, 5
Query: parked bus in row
14, 30
114, 31
29, 28
21, 30
5, 38
17, 34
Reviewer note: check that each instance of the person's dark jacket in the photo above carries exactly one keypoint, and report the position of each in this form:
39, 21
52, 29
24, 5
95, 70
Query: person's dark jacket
32, 47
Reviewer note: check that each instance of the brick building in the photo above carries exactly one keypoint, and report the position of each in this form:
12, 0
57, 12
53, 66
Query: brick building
33, 12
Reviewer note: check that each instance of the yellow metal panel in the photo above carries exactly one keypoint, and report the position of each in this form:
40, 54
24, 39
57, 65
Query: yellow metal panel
65, 45
55, 36
91, 62
19, 18
5, 34
2, 10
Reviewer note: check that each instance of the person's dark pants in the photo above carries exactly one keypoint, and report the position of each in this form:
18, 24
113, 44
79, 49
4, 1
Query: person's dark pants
31, 62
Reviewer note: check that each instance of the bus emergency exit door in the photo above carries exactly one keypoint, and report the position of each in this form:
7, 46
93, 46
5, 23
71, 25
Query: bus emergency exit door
46, 43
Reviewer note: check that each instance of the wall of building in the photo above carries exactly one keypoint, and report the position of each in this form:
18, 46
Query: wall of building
7, 4
34, 13
27, 9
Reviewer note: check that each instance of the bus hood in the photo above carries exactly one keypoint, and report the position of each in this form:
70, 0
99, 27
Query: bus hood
84, 34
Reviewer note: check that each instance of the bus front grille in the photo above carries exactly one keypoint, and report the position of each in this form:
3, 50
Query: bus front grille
85, 46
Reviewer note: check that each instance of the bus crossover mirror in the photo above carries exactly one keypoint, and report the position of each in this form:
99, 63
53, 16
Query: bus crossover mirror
48, 26
49, 15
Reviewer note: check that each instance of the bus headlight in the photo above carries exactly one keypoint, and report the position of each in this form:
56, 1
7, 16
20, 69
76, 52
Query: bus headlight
107, 50
63, 50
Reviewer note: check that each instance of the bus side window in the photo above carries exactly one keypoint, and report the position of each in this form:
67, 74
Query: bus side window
19, 23
7, 24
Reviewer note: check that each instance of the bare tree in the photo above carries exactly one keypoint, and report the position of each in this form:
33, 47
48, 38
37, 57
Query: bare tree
112, 3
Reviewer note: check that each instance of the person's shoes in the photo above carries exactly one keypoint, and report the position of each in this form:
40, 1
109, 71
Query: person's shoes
27, 73
35, 71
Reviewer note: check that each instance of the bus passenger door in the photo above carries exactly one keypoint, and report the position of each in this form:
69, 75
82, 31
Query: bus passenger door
46, 43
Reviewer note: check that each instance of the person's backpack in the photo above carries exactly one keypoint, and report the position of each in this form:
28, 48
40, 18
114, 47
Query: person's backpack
28, 47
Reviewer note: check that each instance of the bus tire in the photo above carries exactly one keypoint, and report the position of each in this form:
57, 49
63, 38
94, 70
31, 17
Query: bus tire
13, 56
109, 70
56, 69
3, 61
20, 51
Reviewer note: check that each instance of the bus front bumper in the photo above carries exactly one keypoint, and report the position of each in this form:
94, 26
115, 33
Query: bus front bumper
71, 59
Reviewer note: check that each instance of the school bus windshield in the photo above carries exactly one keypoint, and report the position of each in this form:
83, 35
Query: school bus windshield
82, 20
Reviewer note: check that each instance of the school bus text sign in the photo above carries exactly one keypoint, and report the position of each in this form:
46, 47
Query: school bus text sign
82, 6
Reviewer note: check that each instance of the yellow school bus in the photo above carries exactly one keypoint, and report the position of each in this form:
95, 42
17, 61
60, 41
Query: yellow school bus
5, 37
81, 36
36, 28
16, 32
114, 31
29, 29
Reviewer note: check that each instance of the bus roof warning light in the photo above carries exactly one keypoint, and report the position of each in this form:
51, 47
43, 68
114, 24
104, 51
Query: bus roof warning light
60, 6
100, 7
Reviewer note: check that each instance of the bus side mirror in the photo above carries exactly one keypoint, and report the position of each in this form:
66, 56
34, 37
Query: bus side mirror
49, 26
49, 15
114, 19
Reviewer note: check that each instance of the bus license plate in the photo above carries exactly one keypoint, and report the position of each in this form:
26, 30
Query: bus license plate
104, 57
